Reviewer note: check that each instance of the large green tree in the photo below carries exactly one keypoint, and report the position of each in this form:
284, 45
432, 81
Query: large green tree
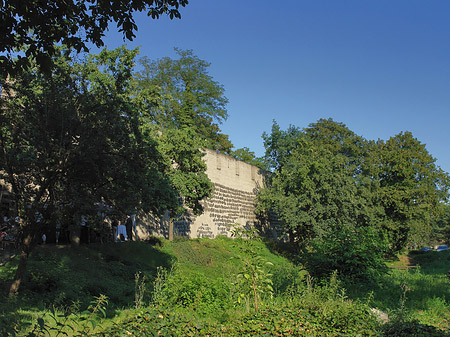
326, 177
314, 187
81, 135
325, 203
35, 26
190, 98
412, 188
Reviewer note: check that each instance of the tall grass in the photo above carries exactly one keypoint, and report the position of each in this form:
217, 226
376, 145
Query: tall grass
188, 287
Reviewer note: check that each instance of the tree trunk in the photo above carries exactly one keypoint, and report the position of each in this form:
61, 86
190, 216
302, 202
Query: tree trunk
24, 253
171, 229
74, 236
74, 231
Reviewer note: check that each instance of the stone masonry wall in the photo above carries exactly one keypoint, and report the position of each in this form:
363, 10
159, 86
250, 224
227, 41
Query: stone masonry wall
236, 185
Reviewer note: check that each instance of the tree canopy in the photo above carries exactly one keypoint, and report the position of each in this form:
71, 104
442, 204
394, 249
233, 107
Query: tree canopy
81, 135
244, 154
190, 98
35, 26
331, 188
412, 188
314, 188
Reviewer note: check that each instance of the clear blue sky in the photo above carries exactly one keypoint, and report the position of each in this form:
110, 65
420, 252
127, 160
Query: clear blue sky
380, 66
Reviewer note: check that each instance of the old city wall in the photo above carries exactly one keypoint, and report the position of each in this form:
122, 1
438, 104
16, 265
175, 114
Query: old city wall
236, 185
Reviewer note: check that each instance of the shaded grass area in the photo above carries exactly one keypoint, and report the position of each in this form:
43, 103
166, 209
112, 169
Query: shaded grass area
59, 276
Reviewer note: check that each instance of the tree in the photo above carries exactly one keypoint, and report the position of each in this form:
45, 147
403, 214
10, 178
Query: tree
412, 188
322, 197
341, 140
314, 193
280, 144
78, 136
35, 26
190, 98
441, 226
186, 167
327, 178
244, 154
358, 160
318, 182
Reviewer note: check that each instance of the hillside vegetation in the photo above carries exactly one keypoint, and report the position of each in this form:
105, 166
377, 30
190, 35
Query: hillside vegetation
207, 287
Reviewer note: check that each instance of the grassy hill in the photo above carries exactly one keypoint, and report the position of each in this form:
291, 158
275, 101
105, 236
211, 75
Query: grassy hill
218, 287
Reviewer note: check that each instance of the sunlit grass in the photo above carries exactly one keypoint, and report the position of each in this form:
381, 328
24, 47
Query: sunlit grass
201, 274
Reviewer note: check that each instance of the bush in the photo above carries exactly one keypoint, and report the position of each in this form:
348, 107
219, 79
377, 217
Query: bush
207, 296
410, 328
355, 254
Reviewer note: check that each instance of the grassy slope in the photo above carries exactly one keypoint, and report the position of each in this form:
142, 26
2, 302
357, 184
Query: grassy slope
62, 275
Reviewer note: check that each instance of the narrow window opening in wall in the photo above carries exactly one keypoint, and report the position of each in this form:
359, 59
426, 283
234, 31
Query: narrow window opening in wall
253, 173
237, 168
218, 162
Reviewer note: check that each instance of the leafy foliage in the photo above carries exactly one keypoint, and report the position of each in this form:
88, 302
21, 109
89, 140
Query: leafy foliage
441, 225
330, 183
186, 167
354, 254
314, 188
254, 280
189, 98
35, 27
82, 135
280, 144
412, 188
244, 154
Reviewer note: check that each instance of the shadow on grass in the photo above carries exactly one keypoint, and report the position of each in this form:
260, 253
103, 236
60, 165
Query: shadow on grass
432, 262
71, 277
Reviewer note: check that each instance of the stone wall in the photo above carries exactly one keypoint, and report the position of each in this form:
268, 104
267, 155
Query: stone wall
236, 185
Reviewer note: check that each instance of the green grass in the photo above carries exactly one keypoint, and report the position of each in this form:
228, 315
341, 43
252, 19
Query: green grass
190, 288
425, 288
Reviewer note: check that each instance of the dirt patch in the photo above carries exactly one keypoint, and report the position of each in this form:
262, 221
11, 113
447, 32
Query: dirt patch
404, 262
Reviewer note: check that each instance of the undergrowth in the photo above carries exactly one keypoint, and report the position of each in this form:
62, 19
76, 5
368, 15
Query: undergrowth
194, 287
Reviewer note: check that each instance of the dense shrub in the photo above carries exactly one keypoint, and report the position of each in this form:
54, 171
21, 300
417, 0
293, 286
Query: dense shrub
355, 254
309, 311
411, 328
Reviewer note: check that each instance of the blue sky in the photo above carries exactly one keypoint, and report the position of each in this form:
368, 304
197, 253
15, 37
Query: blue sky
380, 67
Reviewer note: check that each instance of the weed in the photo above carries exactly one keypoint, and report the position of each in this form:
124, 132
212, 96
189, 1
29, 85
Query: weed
159, 284
139, 290
57, 323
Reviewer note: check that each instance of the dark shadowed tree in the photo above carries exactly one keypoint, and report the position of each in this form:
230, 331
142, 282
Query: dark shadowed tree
79, 135
35, 26
441, 227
